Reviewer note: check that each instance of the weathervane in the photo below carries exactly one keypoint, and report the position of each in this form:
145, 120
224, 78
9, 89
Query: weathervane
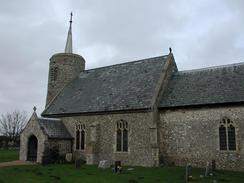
68, 46
170, 50
71, 14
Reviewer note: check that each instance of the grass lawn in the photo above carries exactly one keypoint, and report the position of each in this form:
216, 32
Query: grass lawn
62, 173
91, 174
8, 155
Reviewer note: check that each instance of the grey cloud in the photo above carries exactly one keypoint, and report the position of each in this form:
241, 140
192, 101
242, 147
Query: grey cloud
202, 33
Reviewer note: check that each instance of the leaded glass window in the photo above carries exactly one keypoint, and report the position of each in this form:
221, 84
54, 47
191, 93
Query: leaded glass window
80, 136
122, 136
227, 135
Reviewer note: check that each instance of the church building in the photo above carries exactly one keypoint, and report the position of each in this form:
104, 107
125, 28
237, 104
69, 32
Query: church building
142, 113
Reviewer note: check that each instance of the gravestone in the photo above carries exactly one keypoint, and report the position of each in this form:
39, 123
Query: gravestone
68, 157
188, 175
207, 169
213, 165
210, 168
77, 163
104, 164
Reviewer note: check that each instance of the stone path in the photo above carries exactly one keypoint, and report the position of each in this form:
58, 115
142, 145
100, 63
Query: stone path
15, 163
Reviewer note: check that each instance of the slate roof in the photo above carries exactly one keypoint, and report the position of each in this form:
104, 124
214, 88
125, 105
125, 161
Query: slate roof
223, 84
126, 86
54, 128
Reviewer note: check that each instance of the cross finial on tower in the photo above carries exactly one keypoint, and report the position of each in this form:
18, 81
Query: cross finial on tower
34, 108
68, 47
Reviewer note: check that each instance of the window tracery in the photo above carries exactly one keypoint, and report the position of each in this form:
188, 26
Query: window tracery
80, 136
122, 136
227, 135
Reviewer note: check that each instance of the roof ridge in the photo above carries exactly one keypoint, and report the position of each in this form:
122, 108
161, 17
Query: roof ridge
162, 56
211, 68
54, 119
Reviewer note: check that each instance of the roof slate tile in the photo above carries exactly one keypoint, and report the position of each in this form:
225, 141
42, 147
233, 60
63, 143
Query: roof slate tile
124, 86
54, 128
216, 85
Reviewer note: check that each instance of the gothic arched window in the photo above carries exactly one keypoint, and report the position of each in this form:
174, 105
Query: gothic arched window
227, 135
80, 136
231, 138
77, 139
54, 73
122, 136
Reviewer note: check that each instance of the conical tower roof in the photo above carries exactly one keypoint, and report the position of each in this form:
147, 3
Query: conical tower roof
68, 47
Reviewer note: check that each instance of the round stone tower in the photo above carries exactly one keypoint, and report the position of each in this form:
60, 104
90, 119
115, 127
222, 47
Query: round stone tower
63, 68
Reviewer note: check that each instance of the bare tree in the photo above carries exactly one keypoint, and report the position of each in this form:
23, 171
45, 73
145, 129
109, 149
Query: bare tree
11, 124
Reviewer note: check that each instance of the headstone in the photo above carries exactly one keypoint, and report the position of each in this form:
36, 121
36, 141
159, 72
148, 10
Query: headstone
104, 164
77, 163
68, 157
188, 175
213, 165
207, 170
101, 164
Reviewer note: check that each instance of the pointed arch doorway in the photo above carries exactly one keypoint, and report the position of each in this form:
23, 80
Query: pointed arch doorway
32, 148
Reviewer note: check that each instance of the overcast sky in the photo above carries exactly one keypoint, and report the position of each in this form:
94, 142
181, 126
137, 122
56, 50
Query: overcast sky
202, 33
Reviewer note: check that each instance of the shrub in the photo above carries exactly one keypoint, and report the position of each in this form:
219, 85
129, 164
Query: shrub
51, 155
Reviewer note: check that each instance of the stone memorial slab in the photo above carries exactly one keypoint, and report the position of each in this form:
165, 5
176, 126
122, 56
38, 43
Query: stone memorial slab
207, 170
188, 175
68, 157
213, 165
77, 163
104, 164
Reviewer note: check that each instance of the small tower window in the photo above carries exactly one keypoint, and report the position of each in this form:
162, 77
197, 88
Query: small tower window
54, 73
122, 136
227, 135
80, 136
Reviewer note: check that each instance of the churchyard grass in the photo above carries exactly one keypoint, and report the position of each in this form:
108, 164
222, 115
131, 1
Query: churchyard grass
8, 155
63, 173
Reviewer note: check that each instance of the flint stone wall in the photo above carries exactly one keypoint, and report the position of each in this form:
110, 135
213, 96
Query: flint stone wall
64, 146
191, 135
68, 66
100, 139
